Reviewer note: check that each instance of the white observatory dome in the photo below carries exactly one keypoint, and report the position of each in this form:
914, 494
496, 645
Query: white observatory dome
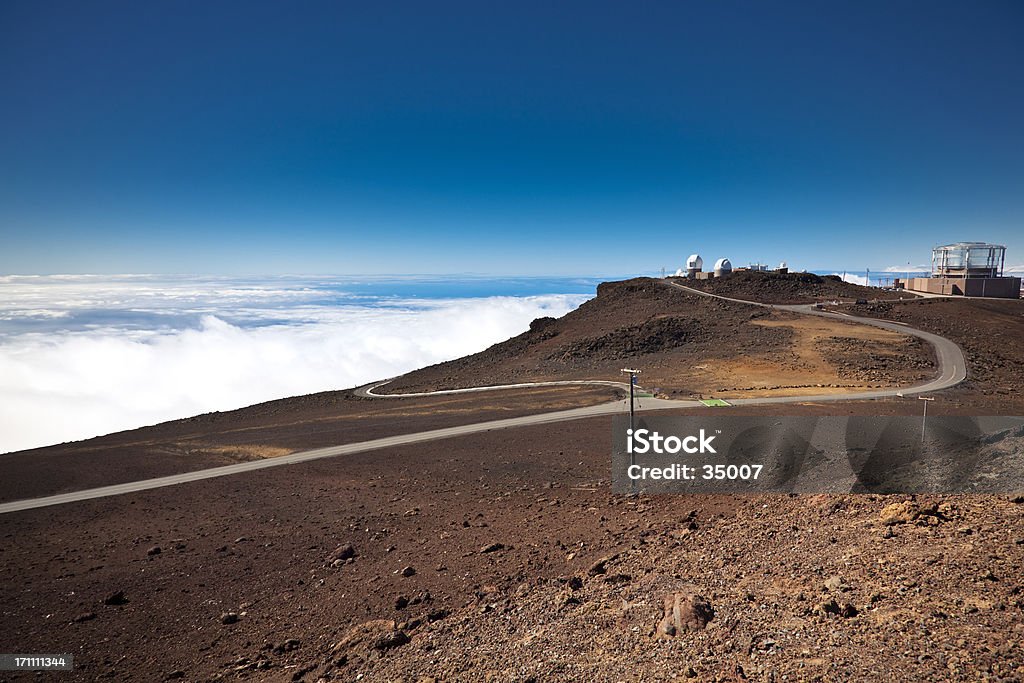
694, 262
783, 266
723, 266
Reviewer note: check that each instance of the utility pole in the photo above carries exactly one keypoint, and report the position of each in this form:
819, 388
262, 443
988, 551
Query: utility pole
632, 456
632, 382
924, 419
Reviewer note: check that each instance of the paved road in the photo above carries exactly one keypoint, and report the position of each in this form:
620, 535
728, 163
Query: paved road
952, 370
347, 449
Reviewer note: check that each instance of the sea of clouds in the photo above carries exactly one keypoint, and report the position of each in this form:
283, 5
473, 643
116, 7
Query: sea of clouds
82, 356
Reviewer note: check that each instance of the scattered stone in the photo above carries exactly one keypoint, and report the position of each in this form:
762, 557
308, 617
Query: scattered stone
437, 615
618, 578
835, 584
888, 533
116, 598
599, 567
229, 618
85, 616
899, 513
408, 571
174, 675
684, 612
401, 602
343, 553
155, 550
241, 539
831, 607
287, 646
378, 634
566, 597
492, 548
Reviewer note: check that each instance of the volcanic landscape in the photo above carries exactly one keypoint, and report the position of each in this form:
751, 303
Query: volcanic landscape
503, 555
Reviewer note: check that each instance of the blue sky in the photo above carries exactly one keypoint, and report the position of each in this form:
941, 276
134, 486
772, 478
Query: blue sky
504, 137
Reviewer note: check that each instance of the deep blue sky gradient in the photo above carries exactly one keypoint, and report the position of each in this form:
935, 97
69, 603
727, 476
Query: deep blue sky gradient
581, 138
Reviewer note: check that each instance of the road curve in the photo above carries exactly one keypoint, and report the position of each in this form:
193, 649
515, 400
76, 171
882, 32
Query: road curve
367, 390
952, 371
948, 356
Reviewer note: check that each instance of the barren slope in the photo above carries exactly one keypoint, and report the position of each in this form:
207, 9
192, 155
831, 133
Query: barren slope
688, 345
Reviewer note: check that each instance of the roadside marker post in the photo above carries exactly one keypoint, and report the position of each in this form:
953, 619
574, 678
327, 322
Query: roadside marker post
632, 383
924, 419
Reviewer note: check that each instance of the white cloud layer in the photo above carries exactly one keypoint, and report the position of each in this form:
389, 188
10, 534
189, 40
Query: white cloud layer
92, 379
919, 268
851, 278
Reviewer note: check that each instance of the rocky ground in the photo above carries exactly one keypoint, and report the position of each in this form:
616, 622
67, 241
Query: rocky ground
503, 557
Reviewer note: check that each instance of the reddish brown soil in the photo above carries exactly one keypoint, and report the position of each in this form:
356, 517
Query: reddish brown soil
785, 288
259, 545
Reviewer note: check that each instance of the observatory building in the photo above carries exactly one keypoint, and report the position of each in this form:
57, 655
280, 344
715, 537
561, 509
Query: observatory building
694, 265
968, 269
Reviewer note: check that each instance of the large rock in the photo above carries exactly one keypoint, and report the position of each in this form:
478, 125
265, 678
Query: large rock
899, 513
342, 553
378, 634
684, 612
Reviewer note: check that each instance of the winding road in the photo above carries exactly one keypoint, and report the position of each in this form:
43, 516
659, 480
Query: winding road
951, 362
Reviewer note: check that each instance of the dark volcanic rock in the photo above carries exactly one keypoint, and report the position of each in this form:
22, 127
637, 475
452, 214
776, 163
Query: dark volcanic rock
653, 336
342, 553
115, 598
